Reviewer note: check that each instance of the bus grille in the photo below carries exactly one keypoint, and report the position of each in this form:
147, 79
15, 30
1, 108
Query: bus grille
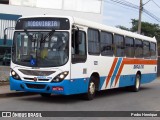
36, 72
26, 78
35, 86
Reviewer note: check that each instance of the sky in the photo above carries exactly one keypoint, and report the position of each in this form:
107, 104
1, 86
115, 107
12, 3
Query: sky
117, 14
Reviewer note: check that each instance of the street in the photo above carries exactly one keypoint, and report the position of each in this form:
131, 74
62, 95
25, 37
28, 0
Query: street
147, 99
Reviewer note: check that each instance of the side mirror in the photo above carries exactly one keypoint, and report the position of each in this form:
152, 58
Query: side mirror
5, 39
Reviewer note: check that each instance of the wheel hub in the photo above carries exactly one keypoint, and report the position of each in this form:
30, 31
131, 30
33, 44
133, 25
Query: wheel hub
137, 83
92, 88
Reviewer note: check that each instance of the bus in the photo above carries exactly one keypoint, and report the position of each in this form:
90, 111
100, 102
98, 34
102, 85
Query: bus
64, 55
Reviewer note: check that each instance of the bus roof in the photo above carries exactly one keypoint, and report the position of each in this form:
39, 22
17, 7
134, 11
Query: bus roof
99, 26
106, 28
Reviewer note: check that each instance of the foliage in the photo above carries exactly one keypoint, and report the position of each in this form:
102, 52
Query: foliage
147, 29
123, 28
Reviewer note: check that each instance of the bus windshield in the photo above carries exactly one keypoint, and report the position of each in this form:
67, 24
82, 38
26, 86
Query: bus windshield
41, 49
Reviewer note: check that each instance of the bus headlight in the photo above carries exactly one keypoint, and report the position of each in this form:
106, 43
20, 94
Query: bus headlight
15, 75
60, 77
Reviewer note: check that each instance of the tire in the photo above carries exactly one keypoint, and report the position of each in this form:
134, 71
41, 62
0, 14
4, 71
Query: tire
91, 89
137, 84
46, 95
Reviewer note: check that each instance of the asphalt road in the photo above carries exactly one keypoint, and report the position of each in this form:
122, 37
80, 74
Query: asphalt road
147, 99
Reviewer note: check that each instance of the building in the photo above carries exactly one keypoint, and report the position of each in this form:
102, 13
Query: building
11, 10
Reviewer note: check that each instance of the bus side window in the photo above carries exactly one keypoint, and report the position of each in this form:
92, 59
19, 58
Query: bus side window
78, 47
93, 41
138, 48
129, 47
106, 43
146, 49
153, 50
119, 45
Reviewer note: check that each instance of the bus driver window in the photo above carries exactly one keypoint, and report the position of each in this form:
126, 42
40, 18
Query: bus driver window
78, 46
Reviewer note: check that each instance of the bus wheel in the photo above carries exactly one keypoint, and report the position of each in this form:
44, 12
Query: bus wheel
45, 94
136, 86
91, 89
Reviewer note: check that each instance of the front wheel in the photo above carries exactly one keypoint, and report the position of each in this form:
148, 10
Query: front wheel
137, 84
91, 89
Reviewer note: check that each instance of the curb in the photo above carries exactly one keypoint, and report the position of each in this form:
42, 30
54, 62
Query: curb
13, 93
16, 94
3, 83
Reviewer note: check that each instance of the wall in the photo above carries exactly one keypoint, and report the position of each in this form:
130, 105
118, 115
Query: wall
29, 11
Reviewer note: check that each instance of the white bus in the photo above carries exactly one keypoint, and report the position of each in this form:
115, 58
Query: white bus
67, 55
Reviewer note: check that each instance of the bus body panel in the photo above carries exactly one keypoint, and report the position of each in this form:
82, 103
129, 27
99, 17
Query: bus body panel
79, 84
76, 86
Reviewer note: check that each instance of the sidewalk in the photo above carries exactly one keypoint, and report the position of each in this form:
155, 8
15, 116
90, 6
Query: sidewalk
6, 92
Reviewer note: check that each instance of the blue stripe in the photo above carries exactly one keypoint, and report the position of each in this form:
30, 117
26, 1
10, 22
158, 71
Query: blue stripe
116, 70
129, 80
77, 86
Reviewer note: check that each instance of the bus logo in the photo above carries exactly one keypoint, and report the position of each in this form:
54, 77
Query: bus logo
35, 79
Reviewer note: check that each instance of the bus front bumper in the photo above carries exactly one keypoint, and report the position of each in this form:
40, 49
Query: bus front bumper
66, 87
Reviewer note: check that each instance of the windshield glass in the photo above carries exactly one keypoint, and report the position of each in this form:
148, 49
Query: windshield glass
8, 55
40, 49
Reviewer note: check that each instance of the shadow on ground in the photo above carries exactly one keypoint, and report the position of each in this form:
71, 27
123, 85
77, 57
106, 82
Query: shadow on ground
60, 99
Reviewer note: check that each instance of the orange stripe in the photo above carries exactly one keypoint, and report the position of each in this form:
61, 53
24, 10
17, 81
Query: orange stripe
111, 71
119, 72
133, 61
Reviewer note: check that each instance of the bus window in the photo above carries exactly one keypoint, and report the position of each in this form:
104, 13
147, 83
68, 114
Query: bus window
138, 48
93, 42
129, 47
106, 44
153, 50
118, 45
146, 52
78, 47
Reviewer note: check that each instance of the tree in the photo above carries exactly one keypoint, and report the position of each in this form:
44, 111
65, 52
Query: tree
147, 29
123, 28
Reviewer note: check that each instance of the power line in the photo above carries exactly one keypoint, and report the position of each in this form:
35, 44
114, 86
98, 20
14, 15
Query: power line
125, 3
151, 15
128, 4
155, 3
146, 2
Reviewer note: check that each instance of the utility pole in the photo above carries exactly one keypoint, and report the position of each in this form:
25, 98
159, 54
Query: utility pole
140, 16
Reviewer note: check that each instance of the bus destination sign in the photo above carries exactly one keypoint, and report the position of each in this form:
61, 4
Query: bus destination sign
43, 23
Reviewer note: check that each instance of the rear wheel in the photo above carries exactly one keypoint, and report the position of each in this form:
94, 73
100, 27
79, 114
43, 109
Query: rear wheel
91, 89
45, 94
137, 84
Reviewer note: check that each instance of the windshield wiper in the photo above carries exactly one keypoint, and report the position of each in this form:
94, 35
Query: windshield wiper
29, 36
48, 35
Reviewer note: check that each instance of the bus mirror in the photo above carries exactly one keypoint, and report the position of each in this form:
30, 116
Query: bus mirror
75, 28
5, 39
78, 38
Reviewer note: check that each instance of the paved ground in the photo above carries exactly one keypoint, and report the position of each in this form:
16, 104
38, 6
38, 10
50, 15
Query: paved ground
147, 99
6, 92
4, 89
